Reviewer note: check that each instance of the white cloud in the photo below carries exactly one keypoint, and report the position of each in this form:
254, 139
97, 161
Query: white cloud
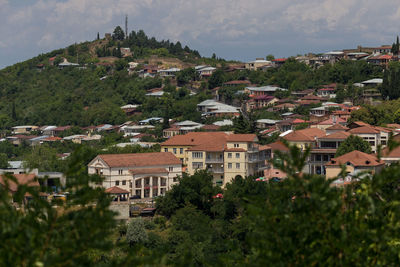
49, 24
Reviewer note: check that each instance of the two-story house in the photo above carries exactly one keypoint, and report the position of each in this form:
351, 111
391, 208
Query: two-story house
142, 174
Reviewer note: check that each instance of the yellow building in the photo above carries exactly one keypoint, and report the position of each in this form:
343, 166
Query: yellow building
224, 155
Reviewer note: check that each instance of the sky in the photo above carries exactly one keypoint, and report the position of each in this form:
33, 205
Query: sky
233, 29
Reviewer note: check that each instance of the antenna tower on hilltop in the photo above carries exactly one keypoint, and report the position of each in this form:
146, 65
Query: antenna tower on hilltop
126, 26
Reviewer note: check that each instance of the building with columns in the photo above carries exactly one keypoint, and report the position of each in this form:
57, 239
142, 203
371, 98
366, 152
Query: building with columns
142, 174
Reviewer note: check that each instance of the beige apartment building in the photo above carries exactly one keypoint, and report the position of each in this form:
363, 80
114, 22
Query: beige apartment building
224, 155
142, 174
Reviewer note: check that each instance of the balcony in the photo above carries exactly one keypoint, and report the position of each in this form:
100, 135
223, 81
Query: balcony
214, 160
216, 170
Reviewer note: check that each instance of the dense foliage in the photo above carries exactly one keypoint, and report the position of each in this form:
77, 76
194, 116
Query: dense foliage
353, 142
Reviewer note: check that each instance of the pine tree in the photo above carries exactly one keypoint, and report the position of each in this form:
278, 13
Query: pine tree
98, 36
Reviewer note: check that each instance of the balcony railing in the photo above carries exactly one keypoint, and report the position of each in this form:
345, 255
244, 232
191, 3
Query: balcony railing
216, 170
214, 160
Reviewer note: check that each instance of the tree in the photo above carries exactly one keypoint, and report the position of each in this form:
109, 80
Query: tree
136, 232
352, 143
270, 57
216, 79
196, 189
98, 36
118, 34
4, 161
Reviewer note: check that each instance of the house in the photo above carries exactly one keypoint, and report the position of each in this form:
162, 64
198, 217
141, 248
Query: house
391, 156
148, 71
323, 125
18, 139
336, 128
384, 49
181, 128
332, 56
327, 92
129, 130
224, 155
355, 162
263, 90
303, 93
371, 135
142, 174
265, 123
171, 72
289, 124
272, 173
381, 60
66, 64
211, 107
125, 51
205, 71
284, 106
304, 138
130, 109
258, 64
278, 62
22, 179
151, 120
26, 129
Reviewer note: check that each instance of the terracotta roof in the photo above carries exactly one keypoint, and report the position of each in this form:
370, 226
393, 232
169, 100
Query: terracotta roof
330, 121
337, 126
393, 125
356, 158
62, 128
196, 138
307, 135
148, 171
139, 159
360, 123
279, 60
116, 190
278, 145
211, 127
23, 179
241, 138
338, 135
363, 130
237, 82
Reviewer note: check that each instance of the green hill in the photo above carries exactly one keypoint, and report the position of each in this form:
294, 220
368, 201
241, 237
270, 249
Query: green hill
38, 92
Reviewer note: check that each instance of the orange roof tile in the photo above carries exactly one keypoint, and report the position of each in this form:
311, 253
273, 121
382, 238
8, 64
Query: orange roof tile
22, 179
278, 146
196, 138
116, 190
356, 158
139, 159
337, 126
363, 130
308, 135
242, 138
336, 136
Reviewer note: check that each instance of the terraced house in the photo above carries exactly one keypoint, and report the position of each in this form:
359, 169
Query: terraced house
224, 155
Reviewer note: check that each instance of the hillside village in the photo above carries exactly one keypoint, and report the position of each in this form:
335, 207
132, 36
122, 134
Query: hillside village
238, 127
181, 159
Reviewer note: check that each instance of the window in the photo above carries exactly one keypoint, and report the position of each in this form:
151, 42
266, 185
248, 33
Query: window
197, 165
372, 143
237, 155
197, 155
318, 157
116, 182
119, 172
235, 145
181, 150
174, 149
229, 155
165, 149
326, 157
171, 169
130, 184
124, 182
237, 165
175, 179
229, 165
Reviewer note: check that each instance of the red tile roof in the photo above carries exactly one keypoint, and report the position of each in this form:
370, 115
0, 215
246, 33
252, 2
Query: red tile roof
278, 146
356, 158
364, 130
336, 136
337, 126
22, 179
196, 138
307, 135
139, 159
116, 190
242, 138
